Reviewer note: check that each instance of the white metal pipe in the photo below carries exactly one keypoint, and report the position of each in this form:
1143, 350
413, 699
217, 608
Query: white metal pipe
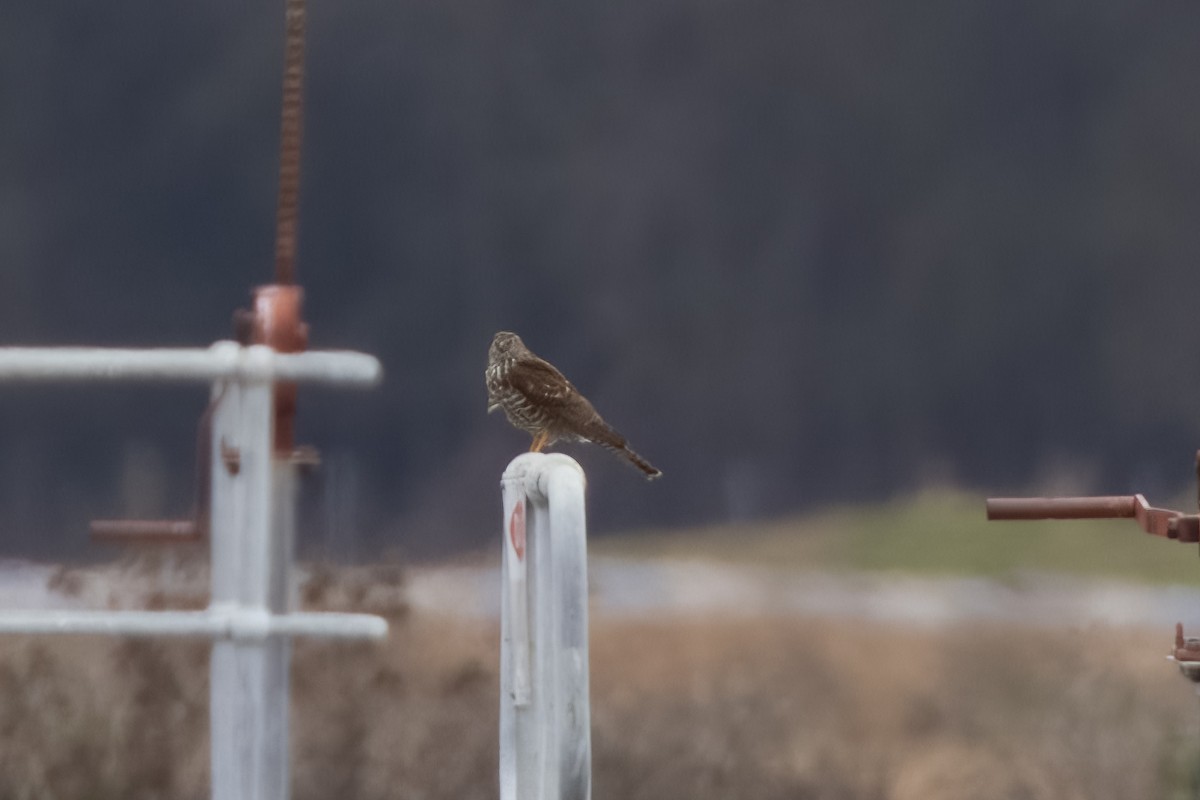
514, 640
572, 721
329, 625
545, 742
223, 360
248, 684
213, 624
224, 495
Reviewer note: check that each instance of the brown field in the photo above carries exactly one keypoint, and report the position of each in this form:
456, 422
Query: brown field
780, 708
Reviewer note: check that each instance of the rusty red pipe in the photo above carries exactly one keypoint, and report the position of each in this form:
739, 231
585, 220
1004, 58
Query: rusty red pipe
1107, 507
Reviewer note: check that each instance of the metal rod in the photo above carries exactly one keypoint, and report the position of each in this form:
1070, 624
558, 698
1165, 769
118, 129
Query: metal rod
291, 130
232, 625
123, 531
1119, 506
223, 360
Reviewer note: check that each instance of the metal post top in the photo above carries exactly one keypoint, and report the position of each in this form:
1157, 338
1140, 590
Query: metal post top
224, 360
536, 471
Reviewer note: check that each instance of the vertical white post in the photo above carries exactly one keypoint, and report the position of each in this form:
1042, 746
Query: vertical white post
545, 732
515, 644
249, 681
567, 527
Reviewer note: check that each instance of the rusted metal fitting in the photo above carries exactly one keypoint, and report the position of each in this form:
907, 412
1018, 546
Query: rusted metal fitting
168, 531
1155, 521
305, 456
1006, 508
231, 457
275, 320
1186, 654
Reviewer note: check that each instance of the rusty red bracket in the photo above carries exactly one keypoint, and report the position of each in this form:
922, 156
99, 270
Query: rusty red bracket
1185, 649
276, 321
1186, 654
1162, 522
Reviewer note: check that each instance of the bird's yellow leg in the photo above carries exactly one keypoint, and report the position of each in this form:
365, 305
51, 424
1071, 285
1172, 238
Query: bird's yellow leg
539, 441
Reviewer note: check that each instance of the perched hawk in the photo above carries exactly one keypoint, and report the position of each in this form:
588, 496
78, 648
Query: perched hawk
537, 399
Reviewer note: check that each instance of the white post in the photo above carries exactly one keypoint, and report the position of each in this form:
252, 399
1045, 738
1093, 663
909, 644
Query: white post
249, 678
545, 730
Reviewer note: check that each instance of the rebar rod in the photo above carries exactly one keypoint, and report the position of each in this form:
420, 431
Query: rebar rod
291, 131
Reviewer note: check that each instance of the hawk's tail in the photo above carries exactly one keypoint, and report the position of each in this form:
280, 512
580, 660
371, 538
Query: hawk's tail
608, 438
645, 466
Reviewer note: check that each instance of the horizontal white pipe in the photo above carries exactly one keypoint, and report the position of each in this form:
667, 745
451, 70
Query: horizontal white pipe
213, 623
227, 360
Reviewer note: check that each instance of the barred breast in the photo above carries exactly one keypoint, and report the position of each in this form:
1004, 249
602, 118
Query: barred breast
522, 413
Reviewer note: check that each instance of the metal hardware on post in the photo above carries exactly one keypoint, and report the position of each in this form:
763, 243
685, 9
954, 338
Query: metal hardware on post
250, 679
1162, 522
1155, 521
1186, 654
251, 508
545, 727
168, 531
276, 322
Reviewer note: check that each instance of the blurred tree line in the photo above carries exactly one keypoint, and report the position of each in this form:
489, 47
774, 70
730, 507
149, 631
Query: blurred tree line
799, 253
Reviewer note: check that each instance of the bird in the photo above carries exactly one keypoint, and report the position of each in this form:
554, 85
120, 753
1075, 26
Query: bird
539, 400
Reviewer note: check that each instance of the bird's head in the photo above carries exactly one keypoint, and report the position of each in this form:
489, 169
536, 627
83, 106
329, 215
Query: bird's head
506, 345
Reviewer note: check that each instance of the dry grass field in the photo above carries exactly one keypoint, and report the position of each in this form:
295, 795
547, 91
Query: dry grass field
698, 709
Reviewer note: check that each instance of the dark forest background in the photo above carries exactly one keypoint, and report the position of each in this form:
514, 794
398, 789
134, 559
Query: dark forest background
800, 253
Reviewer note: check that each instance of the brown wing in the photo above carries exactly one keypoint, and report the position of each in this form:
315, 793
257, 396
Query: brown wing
542, 384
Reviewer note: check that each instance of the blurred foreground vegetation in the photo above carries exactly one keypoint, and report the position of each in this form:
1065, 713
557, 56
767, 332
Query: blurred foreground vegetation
768, 710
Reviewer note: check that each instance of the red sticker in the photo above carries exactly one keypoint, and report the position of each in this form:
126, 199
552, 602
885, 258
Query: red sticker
516, 529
